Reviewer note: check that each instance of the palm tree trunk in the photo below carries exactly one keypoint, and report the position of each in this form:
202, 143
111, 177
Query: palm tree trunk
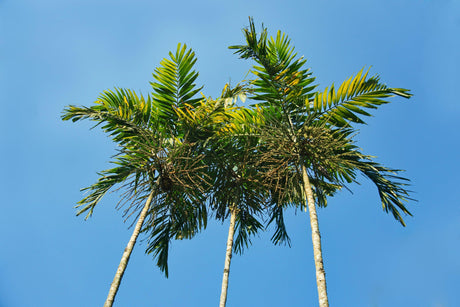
126, 254
228, 259
316, 238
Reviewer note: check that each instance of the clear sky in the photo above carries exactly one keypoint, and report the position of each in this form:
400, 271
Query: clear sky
56, 53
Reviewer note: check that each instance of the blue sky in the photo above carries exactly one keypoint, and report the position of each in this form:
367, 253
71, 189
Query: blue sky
56, 53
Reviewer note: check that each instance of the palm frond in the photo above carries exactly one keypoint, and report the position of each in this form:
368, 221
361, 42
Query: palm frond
176, 215
246, 226
109, 178
174, 85
281, 77
277, 215
129, 170
391, 188
346, 103
121, 113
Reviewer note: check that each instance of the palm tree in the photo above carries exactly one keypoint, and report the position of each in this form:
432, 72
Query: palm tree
237, 190
159, 158
307, 136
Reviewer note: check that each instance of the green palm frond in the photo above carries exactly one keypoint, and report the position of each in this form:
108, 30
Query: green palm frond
176, 216
277, 215
391, 188
344, 104
124, 103
109, 178
242, 122
281, 77
174, 85
246, 226
201, 122
131, 170
122, 114
160, 238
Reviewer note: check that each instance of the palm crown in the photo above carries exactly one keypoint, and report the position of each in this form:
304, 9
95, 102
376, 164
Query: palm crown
316, 128
158, 151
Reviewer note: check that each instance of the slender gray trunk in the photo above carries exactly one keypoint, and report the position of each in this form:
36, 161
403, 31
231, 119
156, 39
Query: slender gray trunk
228, 259
316, 238
126, 254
